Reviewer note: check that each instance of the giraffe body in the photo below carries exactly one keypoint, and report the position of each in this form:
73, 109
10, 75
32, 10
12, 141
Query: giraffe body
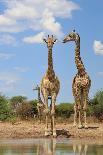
40, 104
81, 82
50, 86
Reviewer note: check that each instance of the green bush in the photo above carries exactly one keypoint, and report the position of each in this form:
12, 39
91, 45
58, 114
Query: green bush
64, 110
5, 112
27, 109
96, 105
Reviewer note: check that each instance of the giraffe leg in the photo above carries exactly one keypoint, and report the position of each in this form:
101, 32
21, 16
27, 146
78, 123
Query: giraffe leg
38, 111
80, 123
85, 108
53, 115
77, 96
75, 115
78, 103
40, 115
46, 117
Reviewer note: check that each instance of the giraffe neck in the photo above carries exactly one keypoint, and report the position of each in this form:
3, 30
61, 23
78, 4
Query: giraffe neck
78, 61
39, 98
50, 60
50, 71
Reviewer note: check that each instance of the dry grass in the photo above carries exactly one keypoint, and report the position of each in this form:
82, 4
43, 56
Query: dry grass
35, 129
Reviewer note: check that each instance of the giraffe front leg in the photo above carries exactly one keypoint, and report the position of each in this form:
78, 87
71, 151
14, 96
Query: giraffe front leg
75, 116
80, 123
46, 111
85, 116
53, 115
85, 109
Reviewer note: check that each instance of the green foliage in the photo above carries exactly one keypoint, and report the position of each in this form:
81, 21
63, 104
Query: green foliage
10, 109
96, 105
4, 108
27, 109
34, 110
64, 110
15, 103
24, 109
16, 100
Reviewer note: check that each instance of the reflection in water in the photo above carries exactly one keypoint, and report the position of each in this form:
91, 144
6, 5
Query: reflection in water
48, 147
80, 149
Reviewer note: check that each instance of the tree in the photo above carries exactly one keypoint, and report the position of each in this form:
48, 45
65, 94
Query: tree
64, 109
16, 101
96, 105
24, 110
4, 108
27, 109
34, 110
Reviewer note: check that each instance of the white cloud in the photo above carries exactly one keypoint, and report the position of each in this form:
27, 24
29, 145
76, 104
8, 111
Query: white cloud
6, 56
34, 39
7, 39
98, 47
38, 15
8, 82
22, 69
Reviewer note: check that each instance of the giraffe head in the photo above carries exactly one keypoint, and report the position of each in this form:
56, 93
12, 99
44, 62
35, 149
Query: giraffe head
73, 36
50, 41
36, 88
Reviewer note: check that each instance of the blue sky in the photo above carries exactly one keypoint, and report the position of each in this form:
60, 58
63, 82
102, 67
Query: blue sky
23, 55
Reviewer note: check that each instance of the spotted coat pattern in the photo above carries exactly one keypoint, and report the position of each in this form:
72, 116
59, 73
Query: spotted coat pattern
81, 82
50, 84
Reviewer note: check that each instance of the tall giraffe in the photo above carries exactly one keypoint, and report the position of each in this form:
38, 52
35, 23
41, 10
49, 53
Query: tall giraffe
50, 86
81, 82
40, 104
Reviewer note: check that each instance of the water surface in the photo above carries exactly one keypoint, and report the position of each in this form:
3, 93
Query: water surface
50, 147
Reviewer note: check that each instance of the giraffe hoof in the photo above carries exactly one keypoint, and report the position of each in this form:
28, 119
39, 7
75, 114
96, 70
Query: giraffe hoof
47, 133
54, 133
86, 127
74, 125
80, 127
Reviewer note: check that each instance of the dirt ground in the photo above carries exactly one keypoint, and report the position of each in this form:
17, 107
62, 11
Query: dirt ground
35, 129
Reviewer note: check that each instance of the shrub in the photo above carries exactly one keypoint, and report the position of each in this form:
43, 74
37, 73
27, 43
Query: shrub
4, 108
64, 110
96, 105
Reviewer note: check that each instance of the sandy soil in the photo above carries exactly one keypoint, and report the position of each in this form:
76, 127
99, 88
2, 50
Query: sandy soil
30, 129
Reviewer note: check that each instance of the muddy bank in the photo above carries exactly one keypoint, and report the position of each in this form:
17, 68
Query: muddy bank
28, 129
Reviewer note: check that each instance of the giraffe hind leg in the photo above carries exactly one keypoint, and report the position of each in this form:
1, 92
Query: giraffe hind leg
85, 101
78, 108
53, 115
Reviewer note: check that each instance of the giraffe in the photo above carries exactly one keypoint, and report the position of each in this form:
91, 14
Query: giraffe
81, 82
50, 86
40, 104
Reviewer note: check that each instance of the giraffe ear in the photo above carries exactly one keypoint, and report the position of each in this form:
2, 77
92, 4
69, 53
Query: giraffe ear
44, 40
55, 40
